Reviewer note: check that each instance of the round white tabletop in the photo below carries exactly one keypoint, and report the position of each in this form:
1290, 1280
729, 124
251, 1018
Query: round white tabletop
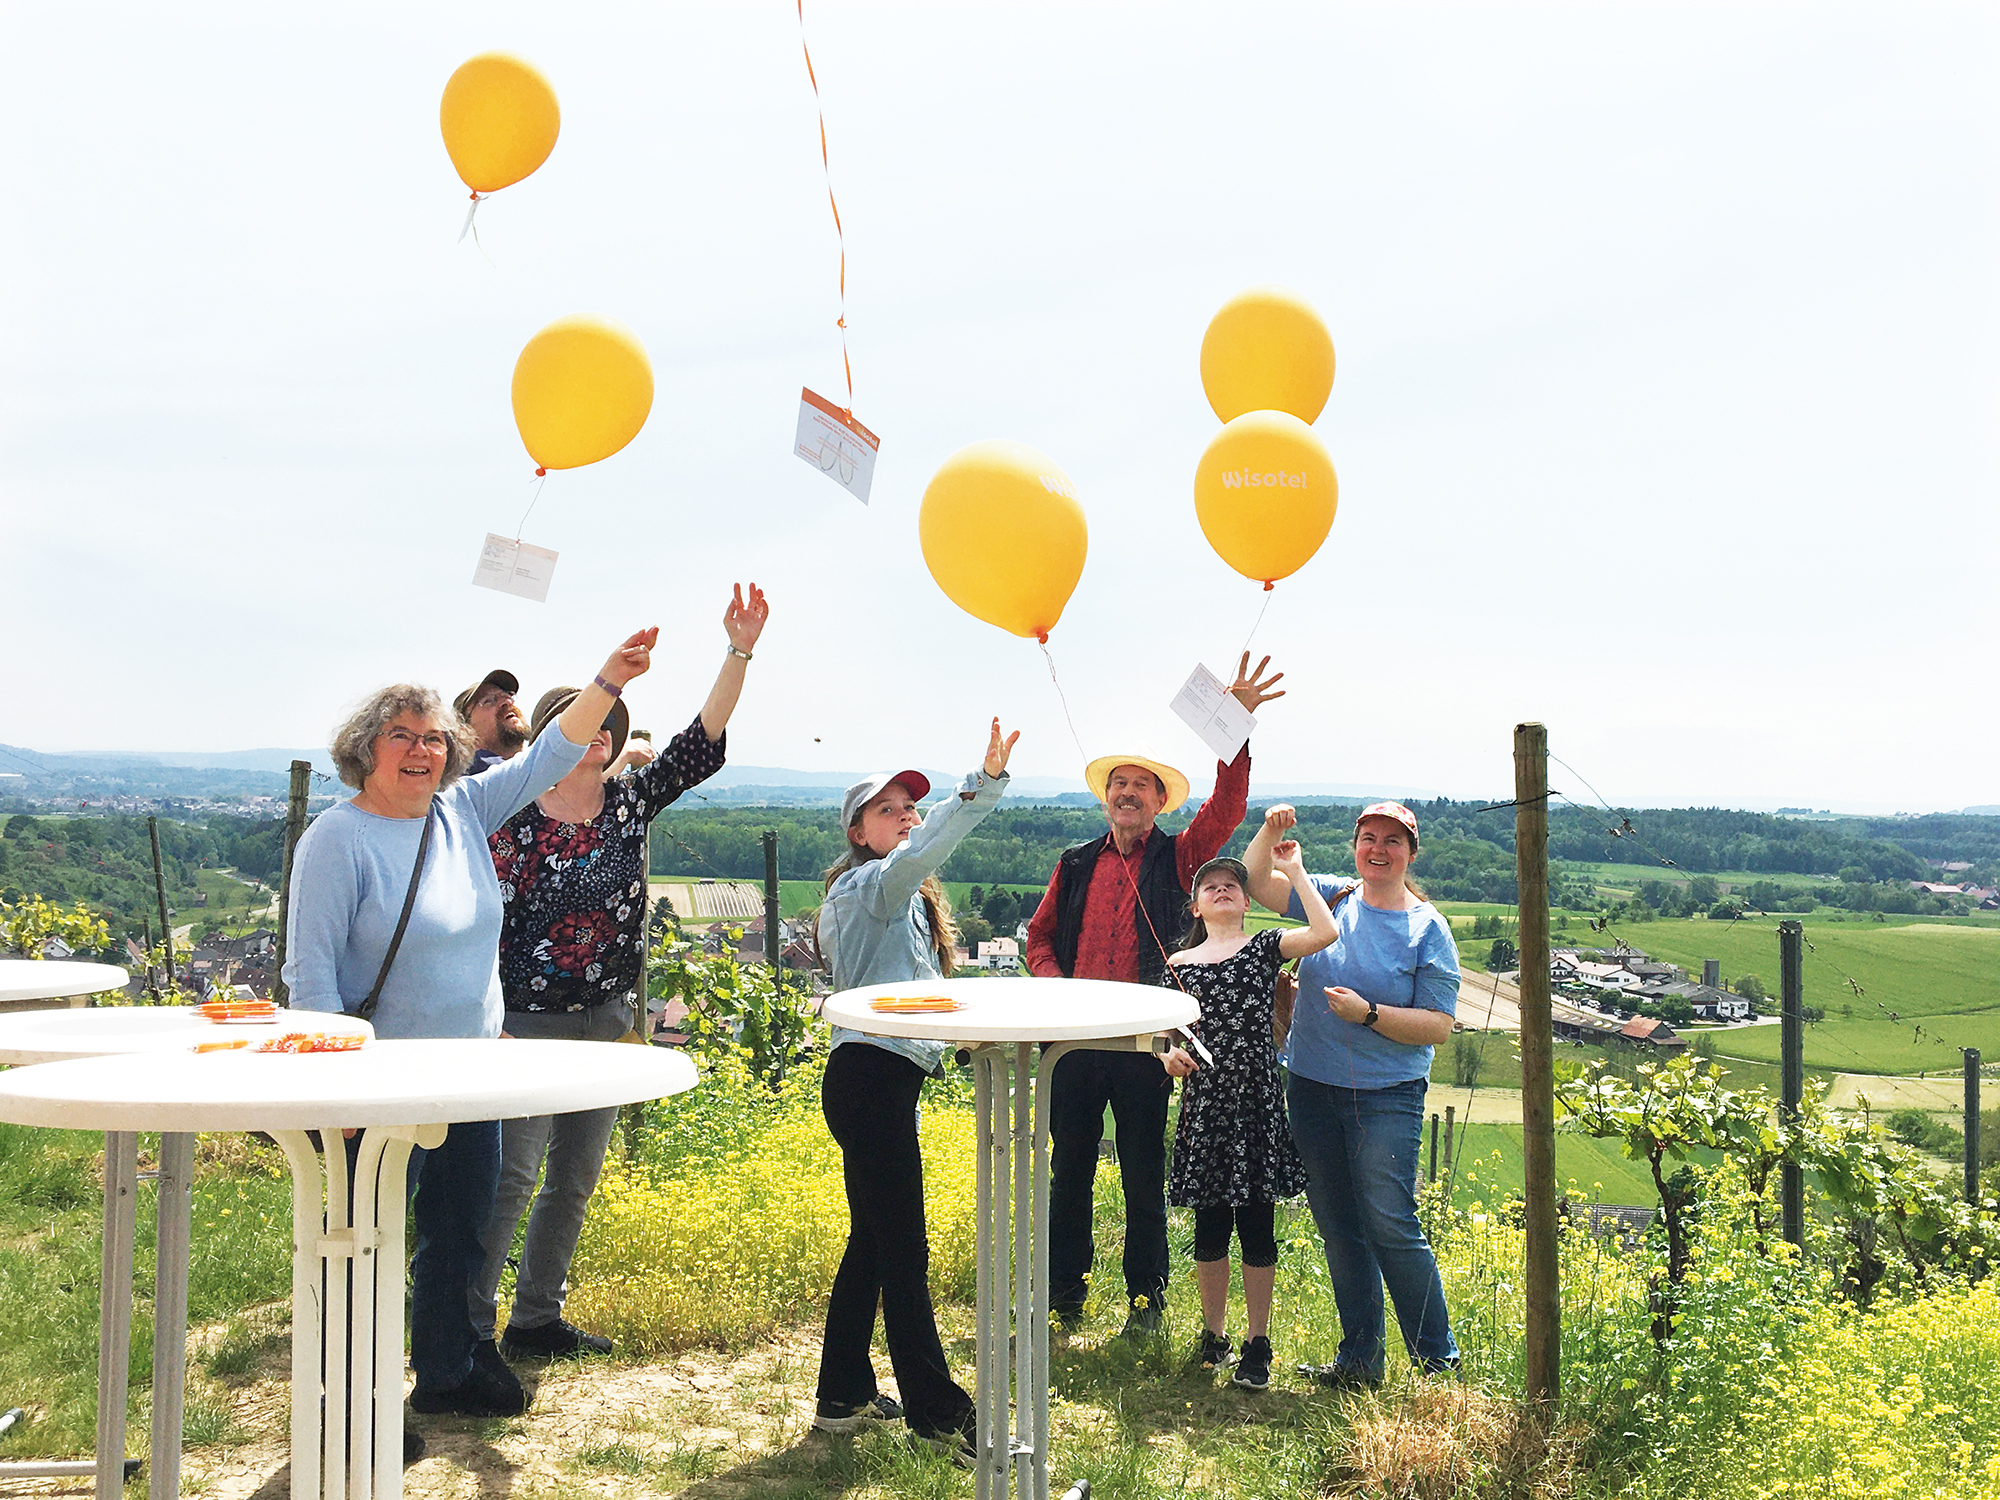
39, 1036
1018, 1010
435, 1082
56, 979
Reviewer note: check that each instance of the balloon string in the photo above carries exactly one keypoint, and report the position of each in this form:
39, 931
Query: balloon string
1063, 698
1259, 621
477, 198
826, 166
541, 478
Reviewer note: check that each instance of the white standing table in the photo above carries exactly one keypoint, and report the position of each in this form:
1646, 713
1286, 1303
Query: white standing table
43, 1036
398, 1095
29, 981
1000, 1023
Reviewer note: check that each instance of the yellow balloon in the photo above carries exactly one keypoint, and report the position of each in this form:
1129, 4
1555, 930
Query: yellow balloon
499, 118
582, 389
1267, 350
1265, 494
1003, 535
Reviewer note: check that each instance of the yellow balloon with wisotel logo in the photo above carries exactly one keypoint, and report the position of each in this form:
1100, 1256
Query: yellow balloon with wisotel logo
1003, 535
583, 388
1267, 350
499, 118
1265, 494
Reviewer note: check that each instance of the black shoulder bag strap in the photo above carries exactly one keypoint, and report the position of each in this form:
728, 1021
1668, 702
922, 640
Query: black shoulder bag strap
367, 1008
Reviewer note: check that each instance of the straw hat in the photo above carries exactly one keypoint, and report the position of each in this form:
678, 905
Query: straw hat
1098, 772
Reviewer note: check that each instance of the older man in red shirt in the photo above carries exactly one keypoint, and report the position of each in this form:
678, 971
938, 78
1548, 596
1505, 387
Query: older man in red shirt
1115, 907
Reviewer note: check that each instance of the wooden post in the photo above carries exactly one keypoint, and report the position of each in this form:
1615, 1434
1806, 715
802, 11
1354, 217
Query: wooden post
295, 825
774, 944
1791, 1069
1971, 1124
1542, 1334
160, 890
1434, 1146
1450, 1110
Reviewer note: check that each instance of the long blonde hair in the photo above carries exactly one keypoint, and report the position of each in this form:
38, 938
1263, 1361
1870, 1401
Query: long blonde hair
937, 905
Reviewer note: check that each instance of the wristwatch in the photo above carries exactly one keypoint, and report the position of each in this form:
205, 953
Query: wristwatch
1373, 1014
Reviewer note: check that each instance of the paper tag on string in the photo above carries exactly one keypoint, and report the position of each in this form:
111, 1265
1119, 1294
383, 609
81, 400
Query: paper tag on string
514, 567
835, 444
1209, 709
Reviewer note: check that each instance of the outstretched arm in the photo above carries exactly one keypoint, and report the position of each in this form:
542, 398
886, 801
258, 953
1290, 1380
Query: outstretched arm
1319, 930
930, 843
743, 621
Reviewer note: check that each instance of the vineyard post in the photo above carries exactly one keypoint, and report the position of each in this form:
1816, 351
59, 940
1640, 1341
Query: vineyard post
1434, 1146
1542, 1333
295, 825
160, 890
1792, 1068
774, 941
1971, 1124
1450, 1113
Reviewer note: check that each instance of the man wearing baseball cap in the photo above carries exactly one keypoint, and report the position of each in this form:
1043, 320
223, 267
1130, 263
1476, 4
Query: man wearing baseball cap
488, 706
1115, 907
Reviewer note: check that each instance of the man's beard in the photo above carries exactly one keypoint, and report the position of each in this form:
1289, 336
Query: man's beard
508, 737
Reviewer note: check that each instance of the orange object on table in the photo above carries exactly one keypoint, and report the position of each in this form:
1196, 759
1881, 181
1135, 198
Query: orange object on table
915, 1005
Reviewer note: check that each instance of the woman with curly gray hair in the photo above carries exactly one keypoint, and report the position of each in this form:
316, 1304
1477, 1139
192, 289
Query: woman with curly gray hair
404, 752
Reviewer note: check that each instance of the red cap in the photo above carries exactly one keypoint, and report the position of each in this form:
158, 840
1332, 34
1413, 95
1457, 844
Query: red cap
1394, 810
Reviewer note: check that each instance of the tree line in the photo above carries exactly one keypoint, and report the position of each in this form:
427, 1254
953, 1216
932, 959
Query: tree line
107, 862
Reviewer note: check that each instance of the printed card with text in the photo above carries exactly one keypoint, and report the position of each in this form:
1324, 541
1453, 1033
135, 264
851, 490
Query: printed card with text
1207, 707
834, 443
514, 567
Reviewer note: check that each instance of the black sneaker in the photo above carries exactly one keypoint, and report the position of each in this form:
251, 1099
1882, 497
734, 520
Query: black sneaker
557, 1340
485, 1392
833, 1417
1253, 1370
1146, 1320
1338, 1377
413, 1445
487, 1354
1213, 1352
960, 1444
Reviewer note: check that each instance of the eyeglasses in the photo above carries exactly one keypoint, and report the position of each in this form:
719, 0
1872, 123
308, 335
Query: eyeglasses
487, 700
401, 740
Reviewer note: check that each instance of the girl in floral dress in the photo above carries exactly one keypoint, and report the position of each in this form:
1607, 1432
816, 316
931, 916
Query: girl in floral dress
1233, 1152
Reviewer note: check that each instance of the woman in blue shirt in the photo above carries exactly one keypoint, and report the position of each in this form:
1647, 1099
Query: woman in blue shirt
1357, 1067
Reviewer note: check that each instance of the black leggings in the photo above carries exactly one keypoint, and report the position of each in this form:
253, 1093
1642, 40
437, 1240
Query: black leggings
1256, 1231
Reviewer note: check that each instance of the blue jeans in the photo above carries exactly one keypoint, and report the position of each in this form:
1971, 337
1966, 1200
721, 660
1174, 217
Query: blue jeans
1360, 1151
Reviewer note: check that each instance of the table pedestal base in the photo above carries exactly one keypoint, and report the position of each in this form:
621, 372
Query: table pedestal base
347, 1311
1010, 1091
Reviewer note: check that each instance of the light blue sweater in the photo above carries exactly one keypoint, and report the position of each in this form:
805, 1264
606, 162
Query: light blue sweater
349, 876
873, 927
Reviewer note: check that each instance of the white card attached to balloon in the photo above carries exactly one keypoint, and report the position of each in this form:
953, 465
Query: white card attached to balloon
834, 443
514, 567
1207, 708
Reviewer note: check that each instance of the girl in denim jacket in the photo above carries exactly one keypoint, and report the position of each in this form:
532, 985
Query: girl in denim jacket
885, 920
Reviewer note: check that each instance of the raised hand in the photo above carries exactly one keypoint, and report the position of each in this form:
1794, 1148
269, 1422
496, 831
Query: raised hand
633, 659
1287, 858
744, 619
1253, 688
997, 750
1280, 818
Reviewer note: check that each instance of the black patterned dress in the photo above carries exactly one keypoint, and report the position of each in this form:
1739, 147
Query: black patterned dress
1233, 1145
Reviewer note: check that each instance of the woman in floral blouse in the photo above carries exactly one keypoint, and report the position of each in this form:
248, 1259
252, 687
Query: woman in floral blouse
572, 949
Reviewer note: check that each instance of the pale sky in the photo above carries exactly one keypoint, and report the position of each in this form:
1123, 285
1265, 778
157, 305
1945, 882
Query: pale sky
1664, 413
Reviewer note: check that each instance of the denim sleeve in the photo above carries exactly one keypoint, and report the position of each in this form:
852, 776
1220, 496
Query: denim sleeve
1437, 968
496, 795
889, 882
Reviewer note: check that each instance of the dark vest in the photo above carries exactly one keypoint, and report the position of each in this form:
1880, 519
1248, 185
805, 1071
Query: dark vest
1159, 890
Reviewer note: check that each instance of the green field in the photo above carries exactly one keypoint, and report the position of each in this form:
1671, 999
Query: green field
1491, 1157
1608, 877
